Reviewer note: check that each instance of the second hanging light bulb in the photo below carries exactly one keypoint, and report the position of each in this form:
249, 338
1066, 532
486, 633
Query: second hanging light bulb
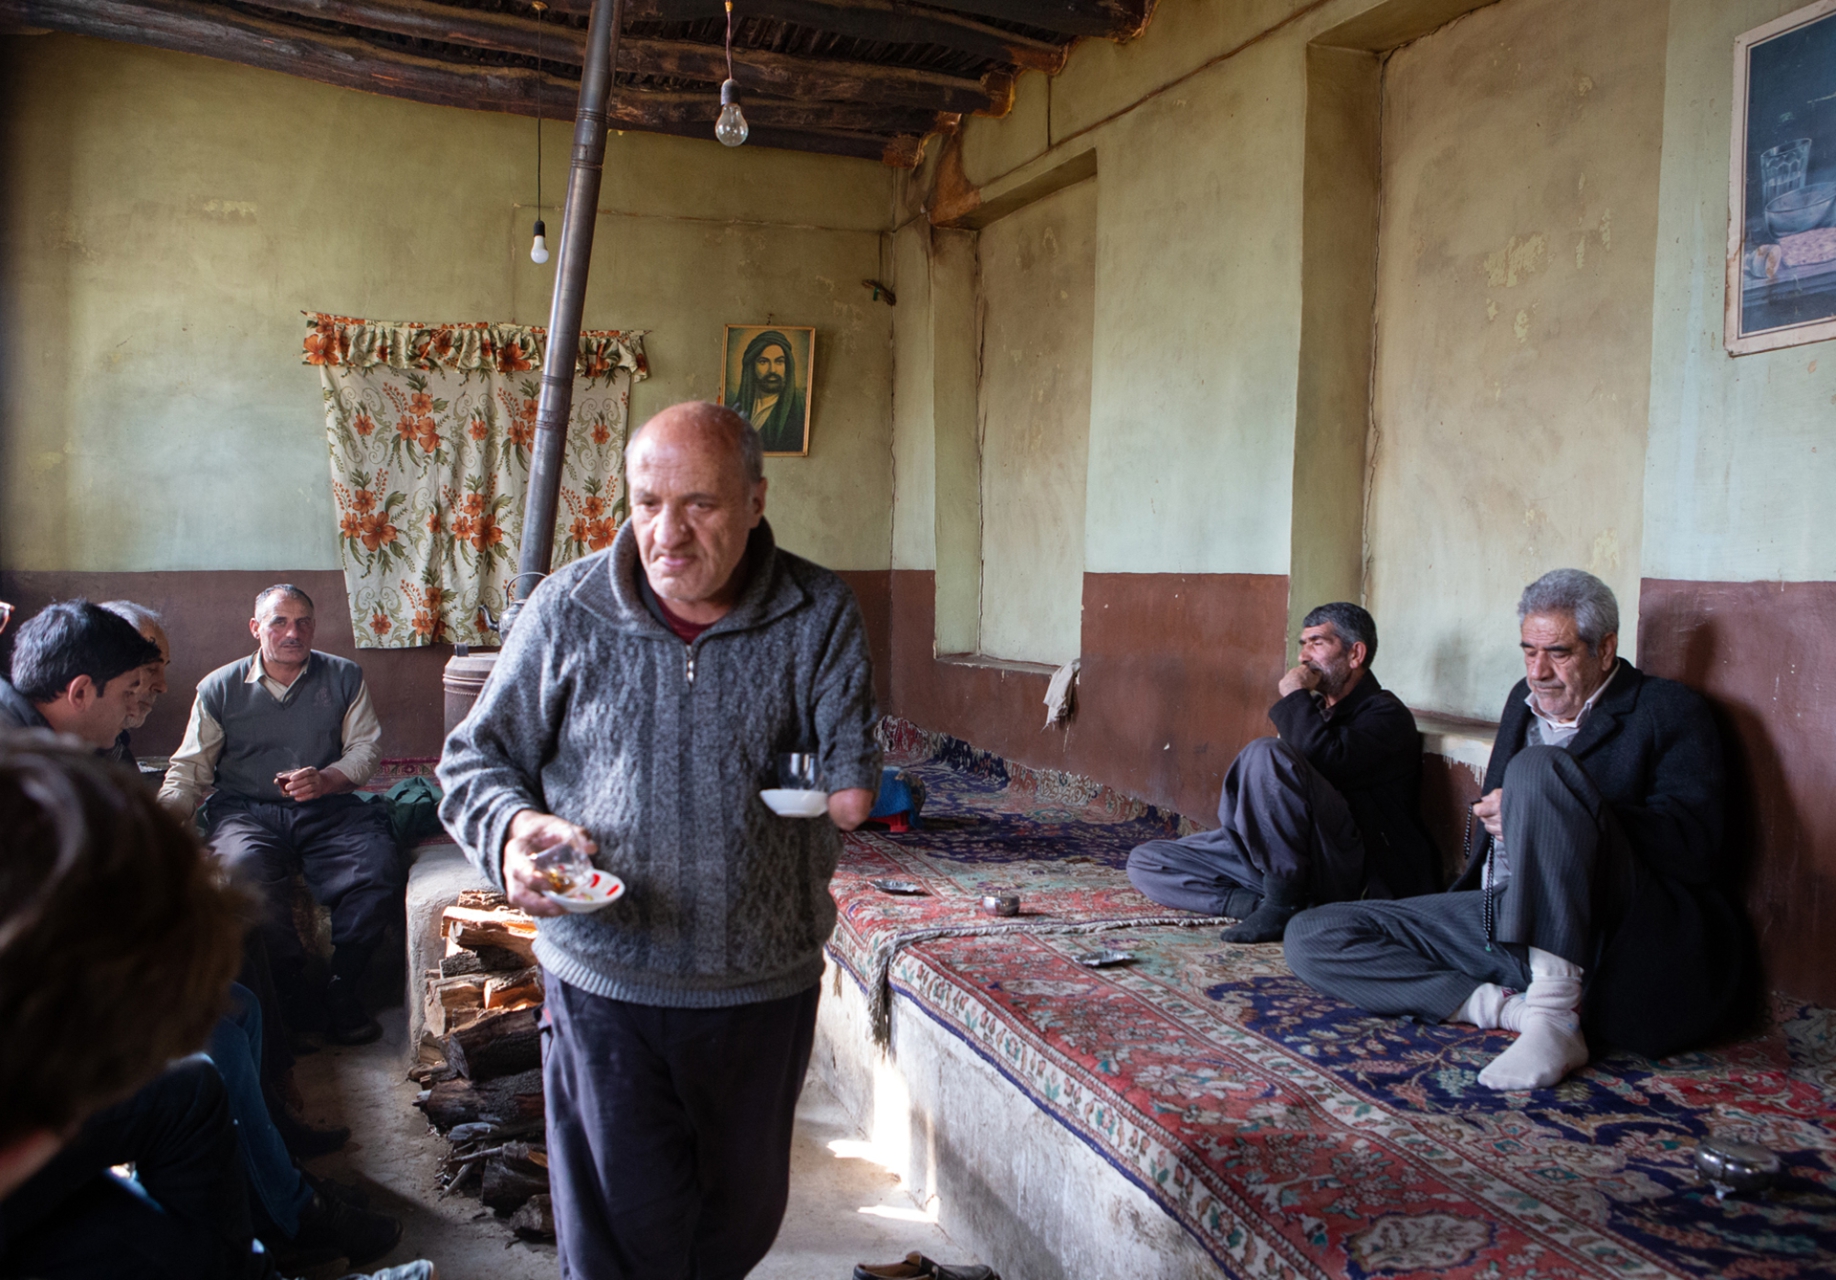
731, 127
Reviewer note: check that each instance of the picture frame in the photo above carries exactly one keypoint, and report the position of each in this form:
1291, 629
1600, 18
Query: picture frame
768, 377
1781, 263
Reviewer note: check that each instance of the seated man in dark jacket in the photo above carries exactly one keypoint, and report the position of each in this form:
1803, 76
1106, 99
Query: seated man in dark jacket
77, 669
1595, 890
1325, 812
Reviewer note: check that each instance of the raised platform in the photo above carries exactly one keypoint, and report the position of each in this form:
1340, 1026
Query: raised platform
1199, 1110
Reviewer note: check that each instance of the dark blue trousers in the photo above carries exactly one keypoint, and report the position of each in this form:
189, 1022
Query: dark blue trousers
346, 850
669, 1132
74, 1219
1277, 817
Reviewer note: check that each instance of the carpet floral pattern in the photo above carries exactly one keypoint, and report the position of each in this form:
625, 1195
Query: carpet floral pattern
1292, 1135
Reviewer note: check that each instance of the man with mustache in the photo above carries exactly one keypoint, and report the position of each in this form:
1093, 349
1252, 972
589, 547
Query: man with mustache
770, 394
1594, 897
1326, 811
286, 735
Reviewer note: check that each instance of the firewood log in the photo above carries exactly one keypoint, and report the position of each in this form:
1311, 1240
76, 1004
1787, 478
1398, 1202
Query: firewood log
512, 1102
510, 990
461, 960
508, 1184
498, 1044
473, 928
535, 1220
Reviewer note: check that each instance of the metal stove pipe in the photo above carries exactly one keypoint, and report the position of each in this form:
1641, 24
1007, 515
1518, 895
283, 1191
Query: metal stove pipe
578, 218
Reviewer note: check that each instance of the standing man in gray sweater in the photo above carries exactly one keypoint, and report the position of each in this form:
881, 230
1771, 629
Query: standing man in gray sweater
638, 709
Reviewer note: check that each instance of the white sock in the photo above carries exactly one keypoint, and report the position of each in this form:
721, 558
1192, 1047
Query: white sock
1484, 1008
1549, 1043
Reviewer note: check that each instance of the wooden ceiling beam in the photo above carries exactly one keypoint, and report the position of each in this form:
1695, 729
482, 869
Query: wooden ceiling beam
883, 21
186, 26
1108, 19
757, 70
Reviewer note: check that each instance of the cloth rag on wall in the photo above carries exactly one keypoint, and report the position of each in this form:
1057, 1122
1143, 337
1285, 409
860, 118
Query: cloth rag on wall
430, 428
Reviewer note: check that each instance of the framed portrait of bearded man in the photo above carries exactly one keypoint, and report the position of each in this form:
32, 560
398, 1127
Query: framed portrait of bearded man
766, 378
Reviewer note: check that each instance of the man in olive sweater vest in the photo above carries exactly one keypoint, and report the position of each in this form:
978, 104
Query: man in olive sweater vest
638, 709
285, 735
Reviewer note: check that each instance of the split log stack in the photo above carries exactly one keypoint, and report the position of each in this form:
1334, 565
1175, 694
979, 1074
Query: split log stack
480, 1063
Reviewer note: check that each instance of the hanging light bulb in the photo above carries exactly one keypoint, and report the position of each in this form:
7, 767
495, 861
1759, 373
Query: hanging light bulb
538, 251
731, 127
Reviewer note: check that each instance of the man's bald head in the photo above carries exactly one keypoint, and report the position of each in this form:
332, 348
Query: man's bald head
697, 493
699, 424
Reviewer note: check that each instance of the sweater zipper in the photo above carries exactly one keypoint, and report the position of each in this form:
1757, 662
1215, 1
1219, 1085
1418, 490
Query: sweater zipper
689, 670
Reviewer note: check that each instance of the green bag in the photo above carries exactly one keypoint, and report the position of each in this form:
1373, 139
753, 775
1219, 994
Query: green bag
414, 809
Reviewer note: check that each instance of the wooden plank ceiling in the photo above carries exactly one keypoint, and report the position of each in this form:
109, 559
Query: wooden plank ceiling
869, 78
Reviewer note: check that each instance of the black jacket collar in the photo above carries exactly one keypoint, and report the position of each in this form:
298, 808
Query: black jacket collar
1366, 687
1618, 702
19, 707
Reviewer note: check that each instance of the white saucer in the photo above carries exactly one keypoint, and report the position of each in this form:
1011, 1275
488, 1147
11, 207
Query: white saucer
601, 889
796, 804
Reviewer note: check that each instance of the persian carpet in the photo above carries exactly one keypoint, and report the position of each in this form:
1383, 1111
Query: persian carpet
1292, 1135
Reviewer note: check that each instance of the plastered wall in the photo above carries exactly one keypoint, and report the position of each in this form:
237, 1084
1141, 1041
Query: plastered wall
1518, 237
167, 217
1037, 275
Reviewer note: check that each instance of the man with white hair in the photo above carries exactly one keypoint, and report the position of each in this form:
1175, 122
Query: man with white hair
152, 681
1593, 904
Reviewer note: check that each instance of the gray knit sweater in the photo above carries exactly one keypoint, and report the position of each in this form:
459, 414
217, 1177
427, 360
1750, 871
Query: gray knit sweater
598, 713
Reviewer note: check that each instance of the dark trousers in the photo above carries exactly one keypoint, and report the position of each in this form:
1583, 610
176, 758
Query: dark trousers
74, 1219
1571, 873
348, 854
669, 1132
1276, 817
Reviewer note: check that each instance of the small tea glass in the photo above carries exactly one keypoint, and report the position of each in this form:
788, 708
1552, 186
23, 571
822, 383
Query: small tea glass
562, 868
797, 771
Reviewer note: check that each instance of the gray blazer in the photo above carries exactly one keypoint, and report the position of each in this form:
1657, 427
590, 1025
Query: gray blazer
598, 713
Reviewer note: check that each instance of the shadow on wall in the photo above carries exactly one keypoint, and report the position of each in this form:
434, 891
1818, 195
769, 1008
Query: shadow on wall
1757, 651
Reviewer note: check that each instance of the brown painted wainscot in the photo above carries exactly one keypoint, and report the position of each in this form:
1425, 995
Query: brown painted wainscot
1175, 679
207, 617
1765, 654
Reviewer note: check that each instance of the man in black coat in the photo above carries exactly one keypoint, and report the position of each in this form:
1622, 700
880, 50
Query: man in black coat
1327, 811
1594, 898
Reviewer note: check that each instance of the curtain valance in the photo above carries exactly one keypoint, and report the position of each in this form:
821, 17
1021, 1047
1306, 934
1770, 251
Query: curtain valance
346, 342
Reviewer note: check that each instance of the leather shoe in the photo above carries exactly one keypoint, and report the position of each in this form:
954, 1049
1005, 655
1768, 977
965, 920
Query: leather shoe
918, 1267
351, 1023
330, 1228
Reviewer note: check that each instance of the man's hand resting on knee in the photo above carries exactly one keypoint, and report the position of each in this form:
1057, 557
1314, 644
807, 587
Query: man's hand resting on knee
530, 833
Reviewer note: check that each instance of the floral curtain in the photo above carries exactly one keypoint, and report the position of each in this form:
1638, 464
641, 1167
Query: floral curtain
430, 428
